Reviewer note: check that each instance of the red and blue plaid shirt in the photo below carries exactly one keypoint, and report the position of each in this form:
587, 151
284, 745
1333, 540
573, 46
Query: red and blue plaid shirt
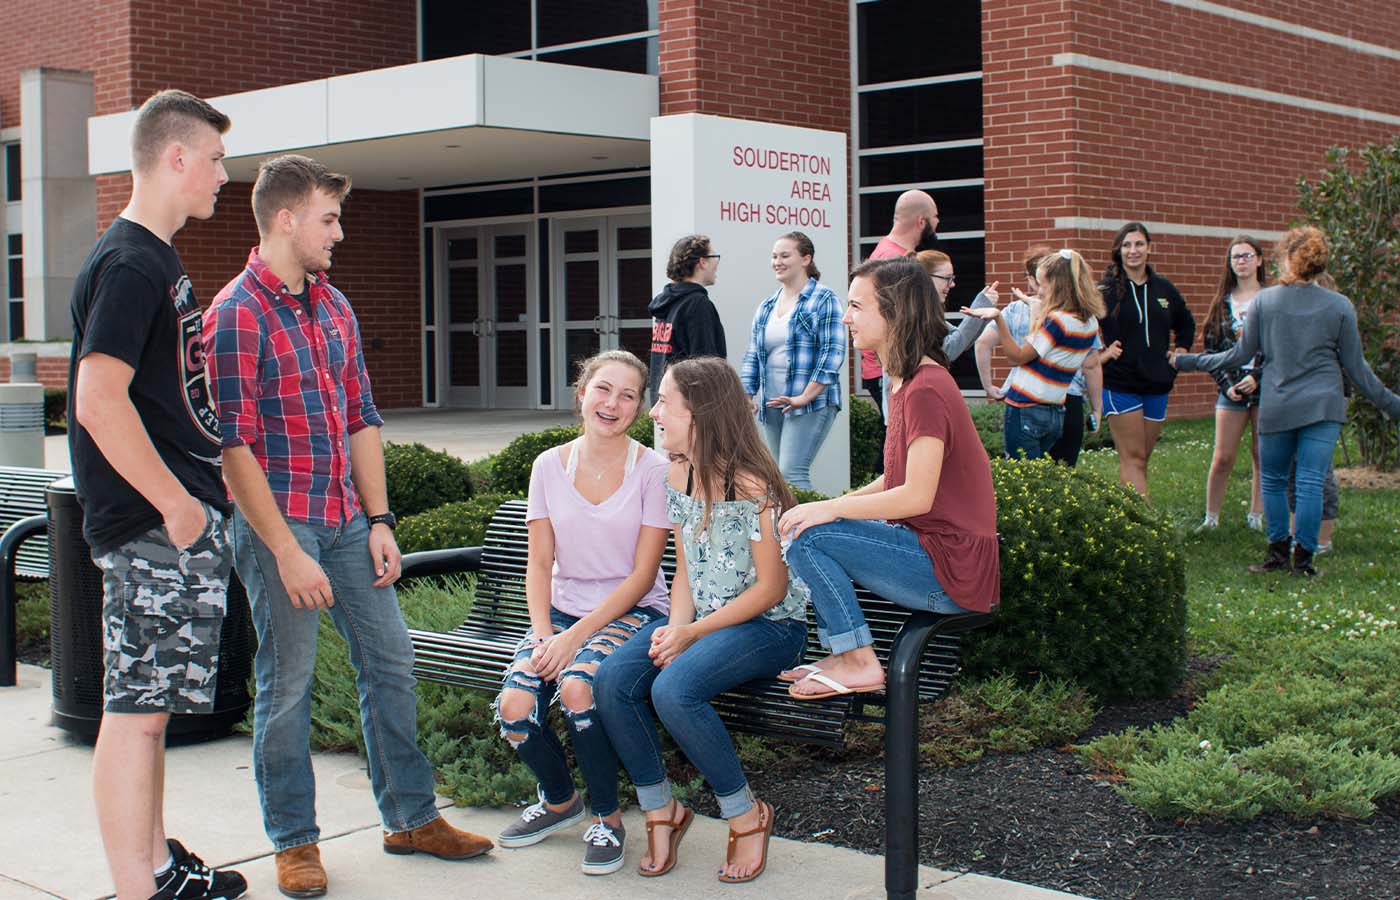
291, 384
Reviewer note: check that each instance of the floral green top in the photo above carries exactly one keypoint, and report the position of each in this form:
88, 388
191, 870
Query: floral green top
719, 560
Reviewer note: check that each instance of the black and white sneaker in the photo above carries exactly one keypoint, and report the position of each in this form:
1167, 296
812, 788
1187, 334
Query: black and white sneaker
188, 878
538, 822
607, 847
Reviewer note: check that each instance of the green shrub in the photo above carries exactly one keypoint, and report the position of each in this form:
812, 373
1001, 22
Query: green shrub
480, 474
510, 473
420, 479
56, 409
867, 440
460, 524
642, 430
1092, 587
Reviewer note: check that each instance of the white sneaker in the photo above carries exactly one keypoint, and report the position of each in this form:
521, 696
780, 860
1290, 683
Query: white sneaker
1255, 521
1323, 548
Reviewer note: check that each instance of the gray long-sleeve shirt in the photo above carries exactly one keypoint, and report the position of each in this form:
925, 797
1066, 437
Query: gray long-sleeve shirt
1309, 337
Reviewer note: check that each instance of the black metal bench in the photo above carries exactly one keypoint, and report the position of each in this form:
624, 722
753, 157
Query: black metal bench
920, 650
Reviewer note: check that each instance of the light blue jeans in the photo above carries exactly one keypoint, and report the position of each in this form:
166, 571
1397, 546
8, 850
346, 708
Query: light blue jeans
795, 440
369, 620
886, 559
1312, 447
681, 693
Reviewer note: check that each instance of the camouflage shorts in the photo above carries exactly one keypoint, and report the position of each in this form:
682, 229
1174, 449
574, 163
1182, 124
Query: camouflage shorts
162, 612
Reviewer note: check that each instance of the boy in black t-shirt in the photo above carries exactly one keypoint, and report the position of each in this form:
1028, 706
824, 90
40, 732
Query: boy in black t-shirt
144, 442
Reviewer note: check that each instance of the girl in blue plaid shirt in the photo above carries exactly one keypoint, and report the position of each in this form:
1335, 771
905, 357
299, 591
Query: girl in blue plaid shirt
792, 368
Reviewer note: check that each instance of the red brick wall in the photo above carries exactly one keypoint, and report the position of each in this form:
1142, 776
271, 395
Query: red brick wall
31, 36
784, 61
1068, 141
52, 371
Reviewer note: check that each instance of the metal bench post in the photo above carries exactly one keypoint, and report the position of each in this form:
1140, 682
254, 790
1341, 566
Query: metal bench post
15, 535
902, 756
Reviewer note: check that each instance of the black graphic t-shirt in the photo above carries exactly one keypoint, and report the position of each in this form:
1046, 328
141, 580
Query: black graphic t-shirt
133, 301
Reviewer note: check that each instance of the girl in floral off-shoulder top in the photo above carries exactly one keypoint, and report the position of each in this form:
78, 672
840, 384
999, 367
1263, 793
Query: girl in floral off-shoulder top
736, 615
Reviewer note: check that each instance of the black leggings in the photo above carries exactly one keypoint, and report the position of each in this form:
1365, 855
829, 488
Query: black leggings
1066, 449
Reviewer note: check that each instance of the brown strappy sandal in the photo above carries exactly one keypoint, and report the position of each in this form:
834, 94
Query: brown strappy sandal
765, 827
678, 830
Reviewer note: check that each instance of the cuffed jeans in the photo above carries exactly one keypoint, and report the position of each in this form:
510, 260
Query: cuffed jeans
1312, 447
1031, 431
369, 619
681, 693
886, 559
795, 440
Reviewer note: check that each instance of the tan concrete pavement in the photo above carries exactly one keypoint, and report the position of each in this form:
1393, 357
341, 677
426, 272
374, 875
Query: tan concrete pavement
50, 846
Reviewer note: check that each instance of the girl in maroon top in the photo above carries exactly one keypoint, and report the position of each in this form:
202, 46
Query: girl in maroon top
924, 534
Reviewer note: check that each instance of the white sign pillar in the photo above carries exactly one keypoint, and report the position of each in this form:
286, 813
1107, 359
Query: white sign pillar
745, 184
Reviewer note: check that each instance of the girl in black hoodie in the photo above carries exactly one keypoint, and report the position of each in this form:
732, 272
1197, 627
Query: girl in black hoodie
1146, 318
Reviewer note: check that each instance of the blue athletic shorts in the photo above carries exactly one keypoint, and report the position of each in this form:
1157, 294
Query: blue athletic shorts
1153, 406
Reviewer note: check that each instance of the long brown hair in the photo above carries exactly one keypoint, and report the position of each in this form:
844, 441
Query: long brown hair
726, 450
1114, 273
912, 312
1067, 283
1215, 313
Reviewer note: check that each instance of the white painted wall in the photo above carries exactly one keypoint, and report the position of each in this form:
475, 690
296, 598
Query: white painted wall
695, 186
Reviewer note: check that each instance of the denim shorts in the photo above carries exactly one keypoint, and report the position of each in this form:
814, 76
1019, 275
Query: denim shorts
163, 613
1153, 406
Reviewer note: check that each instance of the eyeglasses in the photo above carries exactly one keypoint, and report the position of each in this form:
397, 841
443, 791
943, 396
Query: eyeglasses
710, 256
1242, 257
951, 279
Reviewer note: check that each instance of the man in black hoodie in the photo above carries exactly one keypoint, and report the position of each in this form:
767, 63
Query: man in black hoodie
684, 321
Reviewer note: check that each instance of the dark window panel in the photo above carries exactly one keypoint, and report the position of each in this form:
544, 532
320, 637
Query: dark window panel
921, 166
634, 288
579, 344
921, 115
12, 173
16, 279
462, 248
512, 359
959, 209
546, 373
595, 194
583, 240
542, 266
453, 28
512, 300
625, 56
463, 298
570, 21
581, 290
902, 39
464, 352
867, 248
510, 245
638, 238
969, 265
478, 205
15, 244
429, 279
16, 321
637, 341
430, 367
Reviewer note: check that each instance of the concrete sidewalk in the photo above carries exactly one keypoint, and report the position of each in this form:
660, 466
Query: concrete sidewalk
50, 847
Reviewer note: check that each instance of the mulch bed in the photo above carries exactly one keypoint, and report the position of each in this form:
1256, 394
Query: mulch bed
1044, 819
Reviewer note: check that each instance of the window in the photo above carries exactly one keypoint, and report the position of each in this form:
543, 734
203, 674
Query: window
599, 34
12, 173
14, 276
903, 39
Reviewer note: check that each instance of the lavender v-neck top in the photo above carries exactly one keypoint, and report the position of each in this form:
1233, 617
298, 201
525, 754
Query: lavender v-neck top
595, 545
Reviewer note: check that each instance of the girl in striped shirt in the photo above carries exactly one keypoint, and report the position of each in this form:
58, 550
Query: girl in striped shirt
1062, 336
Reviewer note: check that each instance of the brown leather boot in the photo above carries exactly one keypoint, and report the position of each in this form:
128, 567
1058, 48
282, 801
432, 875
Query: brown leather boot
439, 839
300, 873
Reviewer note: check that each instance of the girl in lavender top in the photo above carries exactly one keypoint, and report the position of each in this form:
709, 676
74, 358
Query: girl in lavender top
597, 530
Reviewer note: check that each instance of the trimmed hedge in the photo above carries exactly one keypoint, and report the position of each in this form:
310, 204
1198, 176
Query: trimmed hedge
510, 469
1092, 586
460, 524
867, 440
420, 479
56, 409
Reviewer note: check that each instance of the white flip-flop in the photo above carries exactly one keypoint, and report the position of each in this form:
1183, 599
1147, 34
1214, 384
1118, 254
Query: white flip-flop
782, 676
837, 688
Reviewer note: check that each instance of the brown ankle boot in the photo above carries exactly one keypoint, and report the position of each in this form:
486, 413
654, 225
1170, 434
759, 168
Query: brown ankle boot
300, 873
1277, 560
439, 839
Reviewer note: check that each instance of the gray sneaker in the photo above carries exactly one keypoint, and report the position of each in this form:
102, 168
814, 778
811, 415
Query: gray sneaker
538, 822
607, 846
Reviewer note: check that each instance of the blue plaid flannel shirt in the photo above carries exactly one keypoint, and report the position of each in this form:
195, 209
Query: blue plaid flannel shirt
816, 347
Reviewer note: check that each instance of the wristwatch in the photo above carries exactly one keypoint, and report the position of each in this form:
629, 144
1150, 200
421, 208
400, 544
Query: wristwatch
386, 518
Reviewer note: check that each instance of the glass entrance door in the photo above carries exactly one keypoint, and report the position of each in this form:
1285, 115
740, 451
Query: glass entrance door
602, 287
488, 292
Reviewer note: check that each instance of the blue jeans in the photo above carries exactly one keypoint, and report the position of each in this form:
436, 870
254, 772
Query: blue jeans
795, 440
1031, 431
681, 693
886, 559
369, 619
1311, 447
536, 742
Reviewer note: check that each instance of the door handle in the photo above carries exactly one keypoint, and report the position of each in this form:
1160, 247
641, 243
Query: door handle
599, 325
476, 328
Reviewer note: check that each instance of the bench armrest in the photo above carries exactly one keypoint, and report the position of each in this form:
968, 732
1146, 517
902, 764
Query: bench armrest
452, 561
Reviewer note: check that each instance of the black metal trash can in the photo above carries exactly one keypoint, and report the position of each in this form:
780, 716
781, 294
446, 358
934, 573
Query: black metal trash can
75, 635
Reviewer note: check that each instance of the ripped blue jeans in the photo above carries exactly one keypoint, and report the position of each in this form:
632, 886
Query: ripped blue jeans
539, 747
